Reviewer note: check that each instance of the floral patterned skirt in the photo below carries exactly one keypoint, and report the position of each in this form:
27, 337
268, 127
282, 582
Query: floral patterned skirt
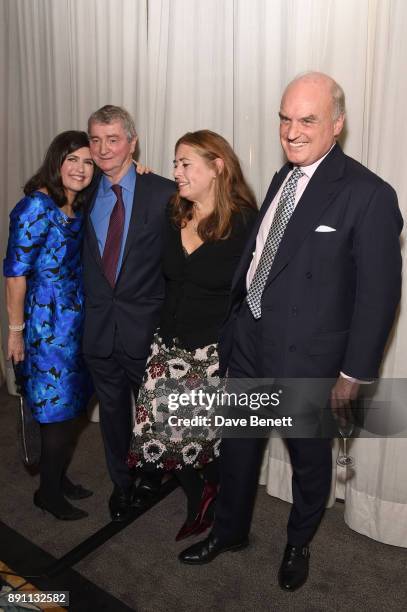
171, 371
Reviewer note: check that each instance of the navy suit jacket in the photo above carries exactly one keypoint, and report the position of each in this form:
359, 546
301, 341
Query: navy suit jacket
331, 297
133, 305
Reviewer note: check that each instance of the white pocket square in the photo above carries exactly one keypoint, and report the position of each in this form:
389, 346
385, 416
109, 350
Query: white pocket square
325, 228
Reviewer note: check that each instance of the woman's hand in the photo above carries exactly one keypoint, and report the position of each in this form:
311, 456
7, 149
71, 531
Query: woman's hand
15, 295
140, 169
15, 346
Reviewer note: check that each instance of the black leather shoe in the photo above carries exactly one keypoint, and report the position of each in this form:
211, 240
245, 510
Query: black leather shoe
63, 511
207, 550
293, 571
120, 503
146, 492
73, 491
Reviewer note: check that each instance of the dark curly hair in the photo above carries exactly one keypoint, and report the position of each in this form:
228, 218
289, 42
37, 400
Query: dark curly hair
49, 174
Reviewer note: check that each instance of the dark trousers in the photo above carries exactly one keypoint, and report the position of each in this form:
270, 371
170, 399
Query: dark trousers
240, 459
114, 378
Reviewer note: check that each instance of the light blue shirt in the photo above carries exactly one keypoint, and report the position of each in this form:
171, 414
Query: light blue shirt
104, 203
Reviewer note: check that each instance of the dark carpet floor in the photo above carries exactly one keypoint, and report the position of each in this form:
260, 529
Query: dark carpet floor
136, 568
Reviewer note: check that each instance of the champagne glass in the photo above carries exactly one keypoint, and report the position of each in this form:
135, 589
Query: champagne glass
346, 425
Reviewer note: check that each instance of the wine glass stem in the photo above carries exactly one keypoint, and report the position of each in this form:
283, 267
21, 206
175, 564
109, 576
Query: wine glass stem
344, 447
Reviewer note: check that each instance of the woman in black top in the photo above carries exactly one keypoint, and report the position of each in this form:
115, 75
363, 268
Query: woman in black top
208, 222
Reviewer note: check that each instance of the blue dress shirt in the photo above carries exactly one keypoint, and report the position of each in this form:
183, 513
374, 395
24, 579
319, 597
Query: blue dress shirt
104, 203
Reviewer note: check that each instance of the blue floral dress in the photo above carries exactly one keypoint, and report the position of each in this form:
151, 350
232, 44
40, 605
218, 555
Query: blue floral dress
45, 246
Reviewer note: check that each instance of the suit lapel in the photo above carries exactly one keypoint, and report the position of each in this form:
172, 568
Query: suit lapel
90, 230
139, 217
317, 197
239, 279
139, 214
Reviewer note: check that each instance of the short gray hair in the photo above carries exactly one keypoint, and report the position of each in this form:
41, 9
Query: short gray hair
338, 95
110, 114
338, 100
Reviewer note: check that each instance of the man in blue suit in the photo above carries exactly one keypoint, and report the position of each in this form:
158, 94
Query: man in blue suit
314, 297
124, 287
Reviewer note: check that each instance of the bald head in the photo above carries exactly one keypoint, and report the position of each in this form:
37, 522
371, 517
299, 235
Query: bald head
311, 117
325, 83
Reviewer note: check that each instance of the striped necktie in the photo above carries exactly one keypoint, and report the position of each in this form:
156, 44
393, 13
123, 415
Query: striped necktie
284, 210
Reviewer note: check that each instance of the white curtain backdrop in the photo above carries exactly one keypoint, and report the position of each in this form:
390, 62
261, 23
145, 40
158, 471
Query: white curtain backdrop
180, 65
190, 68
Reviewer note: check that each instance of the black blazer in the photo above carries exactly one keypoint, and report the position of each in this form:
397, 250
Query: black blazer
330, 298
133, 306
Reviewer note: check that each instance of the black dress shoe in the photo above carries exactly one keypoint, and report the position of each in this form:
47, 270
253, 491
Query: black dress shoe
207, 550
62, 511
293, 571
146, 492
73, 491
120, 503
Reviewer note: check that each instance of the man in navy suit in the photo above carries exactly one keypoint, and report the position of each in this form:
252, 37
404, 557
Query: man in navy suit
314, 297
124, 287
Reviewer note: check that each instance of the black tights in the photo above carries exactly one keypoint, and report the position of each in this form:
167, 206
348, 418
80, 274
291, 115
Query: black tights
193, 482
57, 445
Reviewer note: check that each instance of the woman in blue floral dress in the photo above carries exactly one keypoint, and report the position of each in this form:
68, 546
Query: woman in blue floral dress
45, 308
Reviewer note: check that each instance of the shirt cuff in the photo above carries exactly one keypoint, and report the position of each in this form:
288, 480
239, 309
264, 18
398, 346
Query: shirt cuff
356, 380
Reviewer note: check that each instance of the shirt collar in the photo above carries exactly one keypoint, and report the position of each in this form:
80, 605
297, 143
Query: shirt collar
309, 170
127, 182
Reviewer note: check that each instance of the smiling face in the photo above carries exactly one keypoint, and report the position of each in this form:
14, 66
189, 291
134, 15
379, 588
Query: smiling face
111, 149
76, 172
194, 175
307, 125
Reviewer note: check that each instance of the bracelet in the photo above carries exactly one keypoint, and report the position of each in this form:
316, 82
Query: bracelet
17, 328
